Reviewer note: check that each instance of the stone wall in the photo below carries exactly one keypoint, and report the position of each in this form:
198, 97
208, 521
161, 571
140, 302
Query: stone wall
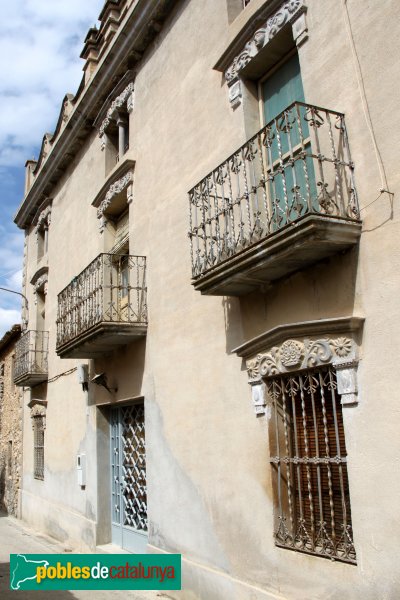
10, 427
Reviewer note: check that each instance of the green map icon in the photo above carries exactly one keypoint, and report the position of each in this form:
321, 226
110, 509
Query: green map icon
24, 570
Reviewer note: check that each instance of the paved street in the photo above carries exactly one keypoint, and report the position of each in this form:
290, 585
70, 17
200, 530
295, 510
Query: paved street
16, 538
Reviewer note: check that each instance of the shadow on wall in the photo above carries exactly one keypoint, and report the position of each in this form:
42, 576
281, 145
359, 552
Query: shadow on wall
233, 322
2, 490
124, 370
324, 290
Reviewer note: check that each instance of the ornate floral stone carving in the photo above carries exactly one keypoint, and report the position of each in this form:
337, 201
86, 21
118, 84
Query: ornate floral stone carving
113, 190
304, 354
124, 98
291, 353
294, 355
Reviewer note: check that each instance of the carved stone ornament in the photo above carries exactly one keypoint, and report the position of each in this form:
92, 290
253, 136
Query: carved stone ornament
296, 355
130, 102
43, 220
292, 11
38, 409
41, 283
304, 354
124, 98
113, 190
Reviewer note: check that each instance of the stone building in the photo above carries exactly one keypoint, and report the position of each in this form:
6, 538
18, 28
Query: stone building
230, 395
10, 425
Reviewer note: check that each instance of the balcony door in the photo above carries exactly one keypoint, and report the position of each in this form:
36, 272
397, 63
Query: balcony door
292, 184
128, 478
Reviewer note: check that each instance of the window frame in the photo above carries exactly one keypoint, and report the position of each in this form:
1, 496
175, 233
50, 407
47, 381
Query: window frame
308, 458
39, 426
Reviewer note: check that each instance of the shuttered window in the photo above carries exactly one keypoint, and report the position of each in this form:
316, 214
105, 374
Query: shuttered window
38, 447
309, 465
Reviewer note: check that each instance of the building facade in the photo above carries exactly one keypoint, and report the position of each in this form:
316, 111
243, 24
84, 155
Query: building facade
10, 425
211, 262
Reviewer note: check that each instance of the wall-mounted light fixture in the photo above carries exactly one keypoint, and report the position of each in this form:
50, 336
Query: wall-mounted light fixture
101, 379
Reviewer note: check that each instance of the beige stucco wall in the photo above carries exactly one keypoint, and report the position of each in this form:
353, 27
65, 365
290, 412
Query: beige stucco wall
209, 487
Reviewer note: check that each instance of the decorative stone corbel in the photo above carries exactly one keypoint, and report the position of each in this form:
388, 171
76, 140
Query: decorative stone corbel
130, 102
299, 29
235, 93
129, 193
346, 377
259, 396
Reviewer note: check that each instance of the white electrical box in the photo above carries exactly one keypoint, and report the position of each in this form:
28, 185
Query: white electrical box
81, 469
82, 373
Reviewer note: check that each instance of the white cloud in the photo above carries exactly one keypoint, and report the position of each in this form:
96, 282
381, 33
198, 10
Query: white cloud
40, 43
14, 281
8, 318
11, 253
11, 249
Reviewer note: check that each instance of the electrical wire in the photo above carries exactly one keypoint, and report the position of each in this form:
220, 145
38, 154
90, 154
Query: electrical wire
61, 375
357, 65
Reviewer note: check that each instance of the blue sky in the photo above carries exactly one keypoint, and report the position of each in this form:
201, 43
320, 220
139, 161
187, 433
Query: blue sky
40, 44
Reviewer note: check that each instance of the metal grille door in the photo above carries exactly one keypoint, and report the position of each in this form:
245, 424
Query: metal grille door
128, 471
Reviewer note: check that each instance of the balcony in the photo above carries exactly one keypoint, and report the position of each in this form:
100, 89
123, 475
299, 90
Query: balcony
285, 200
30, 367
103, 307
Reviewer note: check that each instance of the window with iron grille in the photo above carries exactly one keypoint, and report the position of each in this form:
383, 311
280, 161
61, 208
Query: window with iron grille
38, 446
309, 470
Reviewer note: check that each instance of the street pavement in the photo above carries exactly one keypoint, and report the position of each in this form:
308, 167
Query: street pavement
16, 538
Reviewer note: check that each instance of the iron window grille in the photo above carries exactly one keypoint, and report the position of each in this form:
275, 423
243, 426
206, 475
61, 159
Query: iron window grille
38, 447
309, 465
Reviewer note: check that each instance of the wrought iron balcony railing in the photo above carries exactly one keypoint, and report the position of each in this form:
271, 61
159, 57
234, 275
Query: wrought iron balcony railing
104, 306
298, 165
31, 351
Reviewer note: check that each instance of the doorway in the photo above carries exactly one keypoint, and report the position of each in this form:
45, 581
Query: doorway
128, 477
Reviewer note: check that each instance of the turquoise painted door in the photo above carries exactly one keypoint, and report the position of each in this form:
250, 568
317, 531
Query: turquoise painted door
292, 186
128, 478
282, 88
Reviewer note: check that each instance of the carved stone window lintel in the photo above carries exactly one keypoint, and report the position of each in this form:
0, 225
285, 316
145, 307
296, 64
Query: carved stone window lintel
126, 181
43, 222
38, 409
125, 98
290, 12
40, 282
339, 348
